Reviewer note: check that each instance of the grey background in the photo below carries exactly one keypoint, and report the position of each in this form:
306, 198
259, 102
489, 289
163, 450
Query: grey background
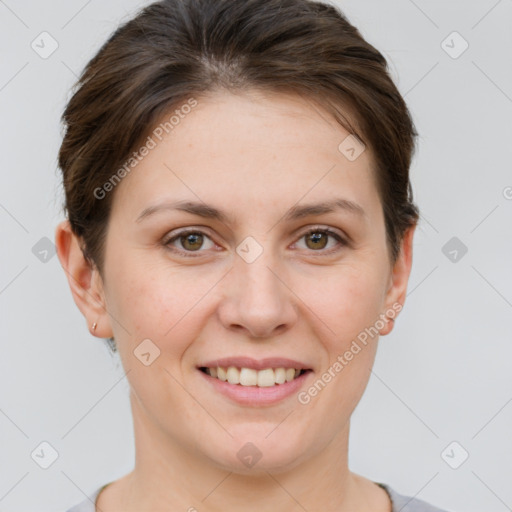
442, 375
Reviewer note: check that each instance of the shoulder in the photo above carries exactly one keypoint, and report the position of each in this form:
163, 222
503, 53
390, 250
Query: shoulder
88, 504
407, 503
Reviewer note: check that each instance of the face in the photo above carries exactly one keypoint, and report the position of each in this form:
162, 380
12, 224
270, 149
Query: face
262, 278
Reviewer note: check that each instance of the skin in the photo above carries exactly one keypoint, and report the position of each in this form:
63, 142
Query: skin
254, 156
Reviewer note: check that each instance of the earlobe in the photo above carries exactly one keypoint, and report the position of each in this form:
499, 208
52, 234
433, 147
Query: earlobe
84, 281
388, 327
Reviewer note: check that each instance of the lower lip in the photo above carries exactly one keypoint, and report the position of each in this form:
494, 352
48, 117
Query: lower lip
254, 395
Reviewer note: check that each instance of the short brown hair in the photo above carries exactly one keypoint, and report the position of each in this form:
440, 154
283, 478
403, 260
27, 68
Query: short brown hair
173, 49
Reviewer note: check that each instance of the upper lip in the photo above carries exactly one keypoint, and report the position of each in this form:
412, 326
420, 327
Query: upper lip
256, 364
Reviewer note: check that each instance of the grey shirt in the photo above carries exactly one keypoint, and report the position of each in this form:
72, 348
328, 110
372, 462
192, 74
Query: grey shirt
400, 503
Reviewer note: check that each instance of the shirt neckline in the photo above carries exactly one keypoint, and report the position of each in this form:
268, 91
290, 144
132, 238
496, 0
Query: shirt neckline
383, 486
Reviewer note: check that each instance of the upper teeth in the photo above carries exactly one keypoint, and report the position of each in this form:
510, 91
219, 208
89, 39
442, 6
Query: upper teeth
251, 377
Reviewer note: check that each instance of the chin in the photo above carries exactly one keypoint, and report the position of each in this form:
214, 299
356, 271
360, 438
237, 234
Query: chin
258, 451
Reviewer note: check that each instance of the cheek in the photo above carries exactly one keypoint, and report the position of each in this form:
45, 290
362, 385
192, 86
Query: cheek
160, 304
351, 305
135, 298
348, 301
355, 308
149, 307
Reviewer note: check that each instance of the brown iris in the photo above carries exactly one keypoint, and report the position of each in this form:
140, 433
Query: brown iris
316, 238
192, 241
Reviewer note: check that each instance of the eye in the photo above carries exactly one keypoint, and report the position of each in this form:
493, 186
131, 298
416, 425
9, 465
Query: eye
317, 239
189, 241
192, 241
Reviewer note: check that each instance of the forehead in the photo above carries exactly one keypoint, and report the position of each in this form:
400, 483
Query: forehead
260, 148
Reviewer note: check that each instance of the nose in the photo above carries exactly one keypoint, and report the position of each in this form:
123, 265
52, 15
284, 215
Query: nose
257, 299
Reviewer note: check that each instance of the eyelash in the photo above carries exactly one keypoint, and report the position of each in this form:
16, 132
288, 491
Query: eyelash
167, 241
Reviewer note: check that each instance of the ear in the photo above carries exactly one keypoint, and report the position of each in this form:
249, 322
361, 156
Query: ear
397, 289
84, 281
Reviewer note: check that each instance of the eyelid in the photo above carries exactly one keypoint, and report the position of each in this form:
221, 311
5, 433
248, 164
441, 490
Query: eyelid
342, 239
172, 236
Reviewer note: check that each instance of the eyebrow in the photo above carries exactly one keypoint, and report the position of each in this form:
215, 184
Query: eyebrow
296, 212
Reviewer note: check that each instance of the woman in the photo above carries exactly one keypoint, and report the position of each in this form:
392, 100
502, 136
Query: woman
240, 226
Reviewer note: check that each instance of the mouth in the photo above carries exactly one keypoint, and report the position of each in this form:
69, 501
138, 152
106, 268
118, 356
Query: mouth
251, 382
251, 377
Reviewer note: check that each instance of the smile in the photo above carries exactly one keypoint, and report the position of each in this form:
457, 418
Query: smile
267, 377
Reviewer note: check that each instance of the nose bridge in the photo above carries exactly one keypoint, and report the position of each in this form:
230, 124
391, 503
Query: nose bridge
257, 298
259, 288
258, 279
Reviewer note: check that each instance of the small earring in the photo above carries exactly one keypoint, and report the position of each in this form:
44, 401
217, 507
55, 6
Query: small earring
94, 325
